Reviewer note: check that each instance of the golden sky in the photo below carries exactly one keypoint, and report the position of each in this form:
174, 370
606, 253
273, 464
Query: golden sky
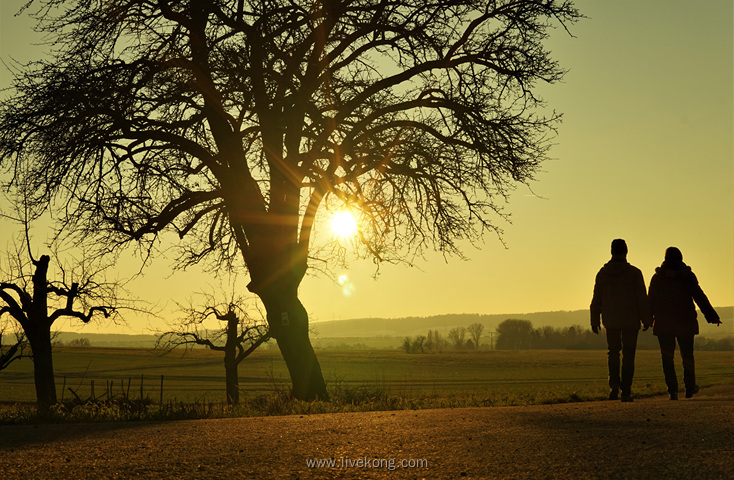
645, 153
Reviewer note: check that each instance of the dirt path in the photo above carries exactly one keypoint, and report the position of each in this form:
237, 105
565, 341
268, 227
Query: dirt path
649, 438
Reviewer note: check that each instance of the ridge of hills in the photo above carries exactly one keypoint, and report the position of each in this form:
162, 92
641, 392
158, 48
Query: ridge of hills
409, 326
389, 331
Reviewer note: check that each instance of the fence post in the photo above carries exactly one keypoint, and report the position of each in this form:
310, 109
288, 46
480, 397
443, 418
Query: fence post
161, 390
92, 383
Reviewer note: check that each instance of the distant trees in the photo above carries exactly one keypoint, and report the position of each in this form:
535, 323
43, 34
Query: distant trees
237, 336
513, 334
414, 345
409, 346
475, 331
80, 342
456, 336
433, 341
519, 334
721, 344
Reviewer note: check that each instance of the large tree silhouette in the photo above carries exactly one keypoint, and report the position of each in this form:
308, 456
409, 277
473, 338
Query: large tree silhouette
233, 122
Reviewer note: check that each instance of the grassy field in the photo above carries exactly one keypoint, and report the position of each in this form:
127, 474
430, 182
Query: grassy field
449, 379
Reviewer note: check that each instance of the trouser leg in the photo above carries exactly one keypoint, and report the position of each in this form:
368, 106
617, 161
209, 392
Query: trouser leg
614, 346
689, 367
667, 352
629, 348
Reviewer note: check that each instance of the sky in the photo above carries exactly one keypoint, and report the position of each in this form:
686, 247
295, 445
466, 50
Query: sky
645, 153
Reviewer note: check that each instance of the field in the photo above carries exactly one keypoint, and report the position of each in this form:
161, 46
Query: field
448, 379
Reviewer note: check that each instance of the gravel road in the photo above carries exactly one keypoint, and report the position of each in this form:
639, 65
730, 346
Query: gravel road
649, 438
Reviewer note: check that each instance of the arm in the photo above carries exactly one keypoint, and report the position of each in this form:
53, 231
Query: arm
596, 304
651, 295
643, 302
703, 302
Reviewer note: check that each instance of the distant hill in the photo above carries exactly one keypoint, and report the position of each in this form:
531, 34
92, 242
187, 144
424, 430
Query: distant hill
409, 326
388, 332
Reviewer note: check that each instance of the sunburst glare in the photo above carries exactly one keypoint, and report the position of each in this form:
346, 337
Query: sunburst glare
343, 224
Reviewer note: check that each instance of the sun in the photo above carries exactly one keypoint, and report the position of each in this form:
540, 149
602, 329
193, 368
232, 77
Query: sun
343, 224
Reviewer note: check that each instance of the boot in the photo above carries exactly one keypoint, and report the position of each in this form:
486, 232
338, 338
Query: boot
691, 391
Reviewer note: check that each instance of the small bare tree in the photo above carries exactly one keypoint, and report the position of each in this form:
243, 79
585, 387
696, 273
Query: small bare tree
407, 345
35, 302
456, 335
439, 343
238, 337
419, 344
475, 331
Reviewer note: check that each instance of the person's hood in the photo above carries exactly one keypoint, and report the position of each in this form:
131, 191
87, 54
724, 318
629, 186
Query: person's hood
674, 269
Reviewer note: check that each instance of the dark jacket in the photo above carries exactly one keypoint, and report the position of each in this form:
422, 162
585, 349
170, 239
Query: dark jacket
620, 297
673, 289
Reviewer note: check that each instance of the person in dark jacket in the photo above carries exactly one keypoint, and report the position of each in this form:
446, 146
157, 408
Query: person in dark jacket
673, 289
620, 303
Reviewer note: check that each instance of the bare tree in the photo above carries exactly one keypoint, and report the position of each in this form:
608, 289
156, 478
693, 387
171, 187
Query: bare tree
35, 302
430, 342
438, 342
239, 337
419, 344
475, 331
233, 123
407, 345
457, 336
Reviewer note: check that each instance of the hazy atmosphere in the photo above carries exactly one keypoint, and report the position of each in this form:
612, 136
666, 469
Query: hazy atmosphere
645, 153
360, 239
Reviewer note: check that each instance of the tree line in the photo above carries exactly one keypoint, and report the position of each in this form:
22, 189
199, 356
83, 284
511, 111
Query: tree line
516, 334
511, 334
456, 339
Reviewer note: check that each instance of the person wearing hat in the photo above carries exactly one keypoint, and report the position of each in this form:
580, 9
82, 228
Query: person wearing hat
673, 289
620, 303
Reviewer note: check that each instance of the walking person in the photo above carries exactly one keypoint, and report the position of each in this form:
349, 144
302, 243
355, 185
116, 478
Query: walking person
673, 289
620, 303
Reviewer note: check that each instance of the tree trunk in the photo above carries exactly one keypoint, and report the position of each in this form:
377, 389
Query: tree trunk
43, 369
230, 362
232, 379
303, 366
38, 331
288, 322
276, 268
